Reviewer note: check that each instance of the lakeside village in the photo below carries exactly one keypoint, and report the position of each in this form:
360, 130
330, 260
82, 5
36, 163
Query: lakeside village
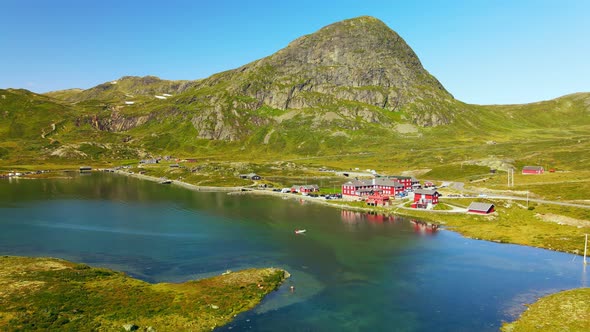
378, 191
381, 190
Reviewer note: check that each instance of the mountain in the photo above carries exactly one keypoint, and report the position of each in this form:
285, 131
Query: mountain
354, 86
122, 89
359, 60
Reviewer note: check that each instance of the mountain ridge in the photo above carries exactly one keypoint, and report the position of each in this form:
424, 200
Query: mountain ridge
359, 60
351, 85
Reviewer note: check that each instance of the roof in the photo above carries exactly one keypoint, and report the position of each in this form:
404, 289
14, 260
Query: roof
306, 186
477, 206
532, 168
311, 186
387, 182
426, 191
400, 177
359, 183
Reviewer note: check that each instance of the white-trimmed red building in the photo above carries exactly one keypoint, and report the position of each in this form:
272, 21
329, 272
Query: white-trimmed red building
409, 182
363, 188
481, 208
425, 198
533, 170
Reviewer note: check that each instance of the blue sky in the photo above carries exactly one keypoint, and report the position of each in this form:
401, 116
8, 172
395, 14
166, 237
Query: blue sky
482, 51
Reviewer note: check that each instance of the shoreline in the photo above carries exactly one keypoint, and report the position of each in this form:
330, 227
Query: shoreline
218, 299
398, 210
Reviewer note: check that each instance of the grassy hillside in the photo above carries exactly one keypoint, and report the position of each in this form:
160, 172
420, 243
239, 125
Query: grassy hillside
553, 134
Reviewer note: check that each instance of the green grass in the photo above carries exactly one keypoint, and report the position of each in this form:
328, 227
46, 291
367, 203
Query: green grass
515, 223
52, 294
563, 311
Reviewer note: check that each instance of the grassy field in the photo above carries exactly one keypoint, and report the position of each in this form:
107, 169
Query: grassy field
540, 225
563, 311
53, 294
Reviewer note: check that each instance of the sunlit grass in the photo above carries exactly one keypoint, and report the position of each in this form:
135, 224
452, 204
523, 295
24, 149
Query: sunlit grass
52, 294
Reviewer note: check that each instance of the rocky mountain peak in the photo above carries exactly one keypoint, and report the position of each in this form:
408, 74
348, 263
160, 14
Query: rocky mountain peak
359, 59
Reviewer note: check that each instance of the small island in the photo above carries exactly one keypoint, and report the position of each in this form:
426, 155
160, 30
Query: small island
54, 294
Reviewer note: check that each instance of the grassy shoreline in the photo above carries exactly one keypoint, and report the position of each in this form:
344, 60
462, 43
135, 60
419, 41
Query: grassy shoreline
564, 311
54, 294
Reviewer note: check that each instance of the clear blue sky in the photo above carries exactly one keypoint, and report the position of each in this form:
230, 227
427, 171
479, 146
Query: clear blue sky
483, 51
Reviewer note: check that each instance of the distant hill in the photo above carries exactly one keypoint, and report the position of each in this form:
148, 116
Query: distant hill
350, 87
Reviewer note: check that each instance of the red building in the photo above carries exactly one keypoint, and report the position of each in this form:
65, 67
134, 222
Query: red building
378, 200
481, 208
425, 198
389, 187
409, 182
304, 189
361, 188
533, 170
356, 188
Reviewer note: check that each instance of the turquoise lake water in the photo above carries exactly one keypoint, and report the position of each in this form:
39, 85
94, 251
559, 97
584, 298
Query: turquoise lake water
351, 271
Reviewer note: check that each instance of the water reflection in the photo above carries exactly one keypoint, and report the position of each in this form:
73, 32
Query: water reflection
423, 227
355, 217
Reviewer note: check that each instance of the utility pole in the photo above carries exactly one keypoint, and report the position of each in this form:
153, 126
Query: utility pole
527, 199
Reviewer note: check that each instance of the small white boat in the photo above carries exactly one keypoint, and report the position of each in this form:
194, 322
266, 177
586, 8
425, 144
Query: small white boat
300, 231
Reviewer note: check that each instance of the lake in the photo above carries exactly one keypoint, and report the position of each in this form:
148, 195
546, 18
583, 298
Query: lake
351, 271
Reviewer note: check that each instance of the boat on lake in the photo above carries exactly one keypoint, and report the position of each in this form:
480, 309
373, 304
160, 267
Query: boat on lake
300, 231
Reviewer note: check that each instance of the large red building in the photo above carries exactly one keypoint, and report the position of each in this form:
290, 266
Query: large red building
361, 188
409, 182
